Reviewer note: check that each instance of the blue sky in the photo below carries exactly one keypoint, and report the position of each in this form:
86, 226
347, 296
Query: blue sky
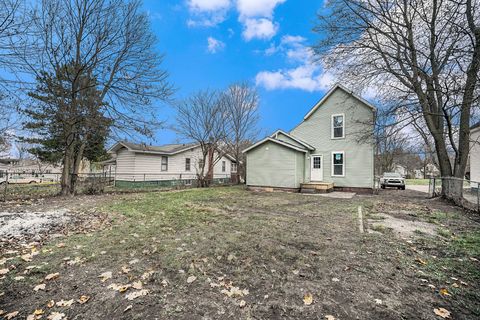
212, 43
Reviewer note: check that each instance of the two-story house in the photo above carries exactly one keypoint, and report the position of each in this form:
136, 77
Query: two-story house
333, 147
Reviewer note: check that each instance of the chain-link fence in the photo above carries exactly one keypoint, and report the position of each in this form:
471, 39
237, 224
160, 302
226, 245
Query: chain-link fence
15, 186
466, 190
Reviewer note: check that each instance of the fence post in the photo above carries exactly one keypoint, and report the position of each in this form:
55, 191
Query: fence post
478, 197
6, 184
433, 190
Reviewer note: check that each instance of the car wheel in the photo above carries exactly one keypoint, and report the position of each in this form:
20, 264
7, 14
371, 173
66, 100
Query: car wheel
403, 188
32, 182
382, 186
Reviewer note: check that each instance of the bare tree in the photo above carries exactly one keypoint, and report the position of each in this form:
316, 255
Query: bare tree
13, 22
421, 57
241, 105
108, 41
202, 118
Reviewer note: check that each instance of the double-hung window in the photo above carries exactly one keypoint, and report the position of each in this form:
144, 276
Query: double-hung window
187, 164
224, 166
338, 164
164, 163
338, 126
233, 167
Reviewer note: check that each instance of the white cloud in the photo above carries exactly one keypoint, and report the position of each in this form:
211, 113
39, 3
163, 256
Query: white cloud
208, 5
303, 75
214, 45
257, 8
261, 28
207, 13
256, 16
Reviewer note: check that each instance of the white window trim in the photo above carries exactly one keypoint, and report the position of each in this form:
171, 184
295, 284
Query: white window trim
161, 164
343, 166
331, 126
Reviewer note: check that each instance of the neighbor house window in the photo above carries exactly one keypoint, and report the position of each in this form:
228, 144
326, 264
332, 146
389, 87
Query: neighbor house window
233, 167
224, 166
187, 164
338, 164
164, 163
338, 126
200, 164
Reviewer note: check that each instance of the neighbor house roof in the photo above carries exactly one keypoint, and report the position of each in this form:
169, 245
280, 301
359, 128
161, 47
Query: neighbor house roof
475, 127
168, 149
303, 143
280, 142
329, 93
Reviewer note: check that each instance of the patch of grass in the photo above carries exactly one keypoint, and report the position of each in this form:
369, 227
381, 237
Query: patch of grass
379, 228
444, 232
417, 182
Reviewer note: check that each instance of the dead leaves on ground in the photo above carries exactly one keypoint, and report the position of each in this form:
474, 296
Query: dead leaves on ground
307, 299
52, 276
442, 312
105, 276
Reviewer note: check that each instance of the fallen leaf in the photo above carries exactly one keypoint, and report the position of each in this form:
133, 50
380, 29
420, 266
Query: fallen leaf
64, 303
127, 308
308, 299
11, 315
18, 278
442, 312
26, 257
191, 279
296, 272
56, 316
52, 276
164, 283
147, 274
335, 279
51, 304
83, 299
378, 301
38, 312
3, 271
133, 261
2, 312
329, 317
105, 276
136, 294
125, 269
60, 245
40, 287
137, 285
444, 292
242, 304
423, 262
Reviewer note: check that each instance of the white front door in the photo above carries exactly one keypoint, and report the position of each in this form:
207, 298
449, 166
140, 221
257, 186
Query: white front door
316, 168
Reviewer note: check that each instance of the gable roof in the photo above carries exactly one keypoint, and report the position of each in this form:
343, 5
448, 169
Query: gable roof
303, 143
329, 93
168, 149
475, 127
280, 142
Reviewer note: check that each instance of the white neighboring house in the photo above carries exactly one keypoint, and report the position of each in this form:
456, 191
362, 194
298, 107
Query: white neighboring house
475, 155
140, 162
401, 170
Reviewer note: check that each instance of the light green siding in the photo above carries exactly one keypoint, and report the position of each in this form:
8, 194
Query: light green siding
274, 165
281, 136
358, 149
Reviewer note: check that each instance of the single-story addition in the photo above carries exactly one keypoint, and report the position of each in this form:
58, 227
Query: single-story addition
475, 155
172, 162
333, 147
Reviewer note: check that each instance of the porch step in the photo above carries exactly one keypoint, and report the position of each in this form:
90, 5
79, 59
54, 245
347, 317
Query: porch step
316, 187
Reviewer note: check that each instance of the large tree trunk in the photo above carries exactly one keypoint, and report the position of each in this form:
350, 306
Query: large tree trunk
76, 168
65, 179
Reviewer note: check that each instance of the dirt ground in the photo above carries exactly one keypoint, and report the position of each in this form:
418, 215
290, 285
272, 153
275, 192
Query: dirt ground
228, 253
